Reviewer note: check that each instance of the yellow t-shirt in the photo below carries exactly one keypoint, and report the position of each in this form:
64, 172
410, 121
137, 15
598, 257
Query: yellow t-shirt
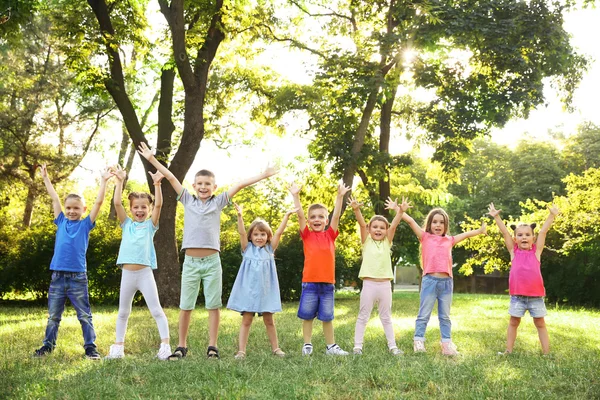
377, 261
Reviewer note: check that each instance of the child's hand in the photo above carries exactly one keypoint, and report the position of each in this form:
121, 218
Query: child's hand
156, 176
294, 189
107, 174
238, 208
352, 202
392, 204
119, 172
492, 210
271, 170
290, 212
343, 189
145, 151
43, 171
554, 210
405, 205
483, 228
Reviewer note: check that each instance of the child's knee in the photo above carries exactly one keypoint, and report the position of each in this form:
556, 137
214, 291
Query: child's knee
514, 321
539, 323
268, 320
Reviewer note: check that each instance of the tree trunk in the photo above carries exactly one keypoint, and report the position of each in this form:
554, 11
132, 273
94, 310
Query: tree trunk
28, 212
122, 151
385, 123
167, 252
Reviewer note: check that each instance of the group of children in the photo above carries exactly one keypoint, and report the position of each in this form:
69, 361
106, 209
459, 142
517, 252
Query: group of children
256, 288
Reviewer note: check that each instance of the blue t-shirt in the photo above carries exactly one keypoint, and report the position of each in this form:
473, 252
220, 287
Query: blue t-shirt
137, 245
71, 244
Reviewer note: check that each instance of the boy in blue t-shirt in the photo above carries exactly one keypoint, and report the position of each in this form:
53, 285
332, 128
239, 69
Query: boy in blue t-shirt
68, 266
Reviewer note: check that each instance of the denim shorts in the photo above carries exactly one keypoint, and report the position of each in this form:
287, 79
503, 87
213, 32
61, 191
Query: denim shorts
316, 300
196, 270
520, 304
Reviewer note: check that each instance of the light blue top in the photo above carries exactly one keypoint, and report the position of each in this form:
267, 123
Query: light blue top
137, 245
202, 221
72, 238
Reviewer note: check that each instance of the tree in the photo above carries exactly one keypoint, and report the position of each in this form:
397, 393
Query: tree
582, 150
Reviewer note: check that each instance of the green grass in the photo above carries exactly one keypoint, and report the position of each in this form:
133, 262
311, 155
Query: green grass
479, 326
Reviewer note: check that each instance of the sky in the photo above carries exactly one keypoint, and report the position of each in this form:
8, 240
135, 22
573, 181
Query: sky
238, 163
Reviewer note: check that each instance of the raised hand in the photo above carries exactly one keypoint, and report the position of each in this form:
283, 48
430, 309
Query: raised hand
343, 189
271, 170
43, 171
107, 174
119, 172
144, 151
238, 208
405, 205
156, 176
483, 228
352, 202
392, 204
290, 212
294, 188
554, 210
492, 210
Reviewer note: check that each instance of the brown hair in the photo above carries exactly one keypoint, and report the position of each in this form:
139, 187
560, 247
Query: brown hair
76, 197
521, 225
140, 195
204, 172
379, 218
261, 225
429, 220
317, 206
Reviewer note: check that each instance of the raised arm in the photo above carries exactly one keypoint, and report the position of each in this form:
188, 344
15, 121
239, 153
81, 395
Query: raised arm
106, 175
56, 206
236, 187
158, 197
120, 175
413, 225
337, 210
508, 238
352, 202
400, 209
277, 235
295, 191
465, 235
541, 239
145, 152
241, 227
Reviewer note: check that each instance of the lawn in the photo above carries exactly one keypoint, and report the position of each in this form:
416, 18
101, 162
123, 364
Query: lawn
572, 371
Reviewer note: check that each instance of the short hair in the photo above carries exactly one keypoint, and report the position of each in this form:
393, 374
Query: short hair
140, 195
261, 225
317, 206
521, 225
76, 197
429, 220
204, 172
379, 218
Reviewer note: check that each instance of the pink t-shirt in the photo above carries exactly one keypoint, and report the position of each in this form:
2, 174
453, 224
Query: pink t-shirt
436, 253
525, 277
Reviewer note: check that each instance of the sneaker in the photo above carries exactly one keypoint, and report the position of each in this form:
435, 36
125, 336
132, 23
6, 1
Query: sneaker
396, 351
240, 355
307, 349
504, 353
357, 351
164, 351
115, 351
449, 349
335, 350
42, 351
92, 354
419, 346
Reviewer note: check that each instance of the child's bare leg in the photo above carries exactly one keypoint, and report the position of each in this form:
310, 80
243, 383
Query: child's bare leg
271, 330
511, 333
247, 319
540, 324
184, 326
307, 327
328, 332
213, 326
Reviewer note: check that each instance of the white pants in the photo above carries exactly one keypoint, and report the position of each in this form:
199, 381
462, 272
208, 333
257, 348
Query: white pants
131, 282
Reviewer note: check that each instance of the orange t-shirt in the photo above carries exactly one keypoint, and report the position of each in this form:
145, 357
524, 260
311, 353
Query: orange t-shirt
319, 255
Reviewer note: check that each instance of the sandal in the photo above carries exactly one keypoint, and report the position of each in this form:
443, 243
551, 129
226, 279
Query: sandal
278, 352
240, 355
212, 352
178, 354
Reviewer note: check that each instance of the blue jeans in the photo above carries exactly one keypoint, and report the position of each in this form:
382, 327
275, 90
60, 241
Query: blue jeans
72, 286
316, 300
432, 289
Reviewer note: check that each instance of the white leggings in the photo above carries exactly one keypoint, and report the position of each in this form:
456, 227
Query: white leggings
375, 292
131, 282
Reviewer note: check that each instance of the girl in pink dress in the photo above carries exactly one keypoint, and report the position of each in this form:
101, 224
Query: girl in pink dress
525, 283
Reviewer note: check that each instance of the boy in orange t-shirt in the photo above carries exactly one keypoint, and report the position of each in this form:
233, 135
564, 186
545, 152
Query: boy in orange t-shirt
318, 276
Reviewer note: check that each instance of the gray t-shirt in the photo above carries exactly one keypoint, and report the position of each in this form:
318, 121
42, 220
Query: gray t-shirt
202, 221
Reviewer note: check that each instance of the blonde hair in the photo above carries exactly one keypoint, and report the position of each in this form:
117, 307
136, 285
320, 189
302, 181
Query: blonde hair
379, 218
140, 195
429, 220
317, 206
261, 225
76, 197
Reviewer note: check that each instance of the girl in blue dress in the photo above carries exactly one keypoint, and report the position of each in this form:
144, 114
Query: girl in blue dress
256, 287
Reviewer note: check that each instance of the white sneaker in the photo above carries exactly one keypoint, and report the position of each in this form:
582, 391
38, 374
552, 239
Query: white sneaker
164, 352
449, 349
419, 346
307, 349
336, 350
396, 351
116, 351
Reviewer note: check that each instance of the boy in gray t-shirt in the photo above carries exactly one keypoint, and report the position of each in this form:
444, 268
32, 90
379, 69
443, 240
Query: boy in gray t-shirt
201, 234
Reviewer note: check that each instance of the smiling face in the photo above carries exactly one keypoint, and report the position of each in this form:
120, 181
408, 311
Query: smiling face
140, 209
524, 237
259, 233
74, 208
259, 238
204, 186
317, 219
437, 222
378, 227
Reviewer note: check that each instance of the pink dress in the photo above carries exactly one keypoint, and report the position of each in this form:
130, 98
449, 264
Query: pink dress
525, 277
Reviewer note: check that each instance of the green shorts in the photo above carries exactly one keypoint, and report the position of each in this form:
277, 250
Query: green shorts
196, 270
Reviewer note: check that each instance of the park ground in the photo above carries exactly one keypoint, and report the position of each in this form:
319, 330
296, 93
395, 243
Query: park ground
479, 327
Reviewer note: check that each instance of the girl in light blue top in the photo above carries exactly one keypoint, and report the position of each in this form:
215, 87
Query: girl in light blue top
256, 287
137, 258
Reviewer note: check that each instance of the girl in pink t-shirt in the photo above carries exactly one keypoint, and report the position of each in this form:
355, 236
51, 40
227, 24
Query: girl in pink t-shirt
437, 283
525, 283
